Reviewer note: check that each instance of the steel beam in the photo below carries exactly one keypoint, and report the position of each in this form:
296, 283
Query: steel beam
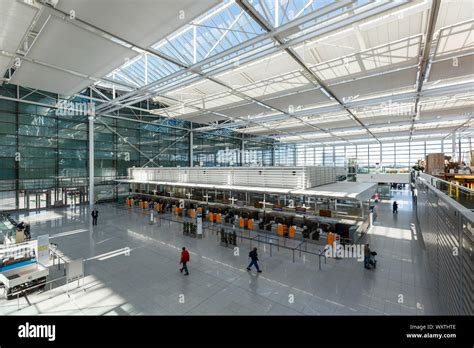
197, 68
308, 73
424, 61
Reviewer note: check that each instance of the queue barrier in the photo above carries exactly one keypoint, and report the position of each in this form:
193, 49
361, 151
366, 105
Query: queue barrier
266, 239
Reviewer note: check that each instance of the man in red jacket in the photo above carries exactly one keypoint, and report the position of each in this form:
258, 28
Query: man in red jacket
184, 261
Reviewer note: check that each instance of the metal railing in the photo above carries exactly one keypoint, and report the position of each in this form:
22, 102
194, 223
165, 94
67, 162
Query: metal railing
258, 236
55, 256
461, 194
29, 289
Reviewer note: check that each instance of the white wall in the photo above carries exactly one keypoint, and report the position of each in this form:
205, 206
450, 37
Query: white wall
403, 178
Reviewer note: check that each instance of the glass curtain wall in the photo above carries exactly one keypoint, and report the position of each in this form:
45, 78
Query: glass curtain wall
212, 150
44, 155
376, 157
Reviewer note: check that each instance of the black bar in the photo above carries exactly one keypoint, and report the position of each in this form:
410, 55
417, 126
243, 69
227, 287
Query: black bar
333, 330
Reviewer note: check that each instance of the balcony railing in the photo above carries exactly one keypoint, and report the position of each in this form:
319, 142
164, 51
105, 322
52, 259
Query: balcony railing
461, 194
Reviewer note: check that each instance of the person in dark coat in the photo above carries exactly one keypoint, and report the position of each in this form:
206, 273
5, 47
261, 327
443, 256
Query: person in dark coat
95, 215
367, 256
395, 207
184, 260
254, 260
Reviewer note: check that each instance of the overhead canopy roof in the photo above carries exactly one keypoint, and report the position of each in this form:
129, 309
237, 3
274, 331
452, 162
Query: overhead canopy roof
359, 191
368, 55
15, 20
74, 44
299, 71
270, 190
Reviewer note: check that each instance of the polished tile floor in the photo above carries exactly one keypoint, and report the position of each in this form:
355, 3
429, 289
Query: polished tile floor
132, 268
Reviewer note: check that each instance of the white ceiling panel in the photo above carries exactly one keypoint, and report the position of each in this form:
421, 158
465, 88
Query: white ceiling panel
376, 84
454, 11
72, 48
369, 34
325, 50
275, 65
143, 22
455, 40
15, 19
298, 100
244, 110
4, 64
380, 59
452, 68
204, 118
278, 85
215, 101
48, 79
404, 26
196, 90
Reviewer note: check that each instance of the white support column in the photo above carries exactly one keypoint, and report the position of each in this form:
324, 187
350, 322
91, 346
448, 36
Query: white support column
191, 147
273, 155
91, 162
113, 87
380, 155
409, 153
395, 154
304, 154
460, 148
453, 146
242, 152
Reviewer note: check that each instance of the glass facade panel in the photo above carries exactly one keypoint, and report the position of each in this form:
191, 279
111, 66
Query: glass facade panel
53, 151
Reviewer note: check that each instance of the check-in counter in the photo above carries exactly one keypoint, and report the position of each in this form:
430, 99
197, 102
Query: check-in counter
250, 224
292, 231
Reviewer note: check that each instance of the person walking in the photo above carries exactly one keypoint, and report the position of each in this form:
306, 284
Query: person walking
184, 260
395, 207
254, 260
367, 256
95, 215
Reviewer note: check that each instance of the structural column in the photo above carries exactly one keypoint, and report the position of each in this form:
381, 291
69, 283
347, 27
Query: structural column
91, 162
453, 147
273, 155
459, 148
242, 152
191, 146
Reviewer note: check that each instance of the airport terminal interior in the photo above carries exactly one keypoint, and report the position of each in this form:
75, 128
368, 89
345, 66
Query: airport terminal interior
236, 157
